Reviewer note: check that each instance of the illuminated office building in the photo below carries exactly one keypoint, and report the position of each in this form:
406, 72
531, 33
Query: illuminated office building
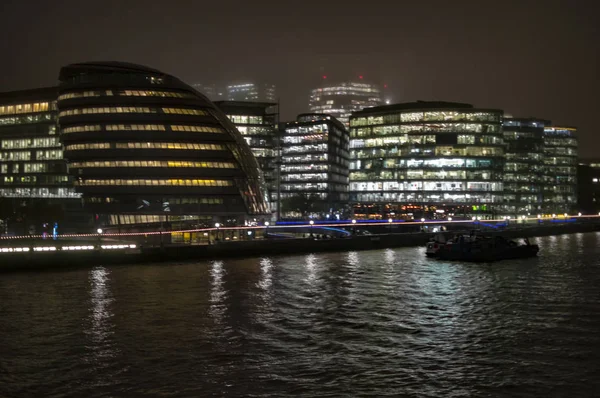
425, 159
249, 91
341, 99
33, 173
315, 161
524, 170
142, 146
560, 161
257, 122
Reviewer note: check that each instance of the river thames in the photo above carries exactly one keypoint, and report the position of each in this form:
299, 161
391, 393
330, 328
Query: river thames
373, 323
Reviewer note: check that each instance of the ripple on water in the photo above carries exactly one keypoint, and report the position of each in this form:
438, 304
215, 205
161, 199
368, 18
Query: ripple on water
378, 323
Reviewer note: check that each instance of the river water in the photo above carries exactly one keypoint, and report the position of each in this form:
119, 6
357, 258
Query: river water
373, 323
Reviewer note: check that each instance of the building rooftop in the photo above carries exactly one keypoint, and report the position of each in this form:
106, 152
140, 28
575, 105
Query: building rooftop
32, 94
418, 105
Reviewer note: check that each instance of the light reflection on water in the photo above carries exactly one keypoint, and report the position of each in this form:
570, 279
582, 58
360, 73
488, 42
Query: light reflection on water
101, 325
374, 323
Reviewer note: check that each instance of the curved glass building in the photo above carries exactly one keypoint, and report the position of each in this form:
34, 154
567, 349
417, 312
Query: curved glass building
144, 147
426, 159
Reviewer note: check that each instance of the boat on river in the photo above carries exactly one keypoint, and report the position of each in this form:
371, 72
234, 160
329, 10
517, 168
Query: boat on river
485, 249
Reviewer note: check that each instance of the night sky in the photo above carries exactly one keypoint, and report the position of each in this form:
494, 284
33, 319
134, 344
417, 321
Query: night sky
530, 58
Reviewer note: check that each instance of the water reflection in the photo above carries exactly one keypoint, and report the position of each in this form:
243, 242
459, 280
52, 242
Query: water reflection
101, 328
218, 294
311, 268
266, 274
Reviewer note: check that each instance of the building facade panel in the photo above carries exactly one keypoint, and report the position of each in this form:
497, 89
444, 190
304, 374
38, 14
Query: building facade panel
560, 161
423, 157
315, 160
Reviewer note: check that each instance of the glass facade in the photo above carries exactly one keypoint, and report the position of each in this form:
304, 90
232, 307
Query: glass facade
315, 160
31, 155
426, 156
142, 139
340, 100
524, 170
253, 92
560, 161
256, 122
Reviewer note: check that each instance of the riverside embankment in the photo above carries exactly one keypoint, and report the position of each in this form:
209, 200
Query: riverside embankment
56, 257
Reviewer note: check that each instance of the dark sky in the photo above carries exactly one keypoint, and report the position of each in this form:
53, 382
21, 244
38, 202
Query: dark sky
530, 58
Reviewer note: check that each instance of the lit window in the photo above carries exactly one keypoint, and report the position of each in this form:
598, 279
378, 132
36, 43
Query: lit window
184, 111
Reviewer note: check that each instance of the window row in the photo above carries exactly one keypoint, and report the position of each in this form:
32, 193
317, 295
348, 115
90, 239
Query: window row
12, 156
54, 192
426, 163
154, 163
130, 109
437, 116
184, 111
426, 186
197, 129
408, 174
171, 201
24, 108
414, 197
169, 182
242, 119
42, 142
49, 179
426, 127
141, 127
147, 145
44, 117
149, 93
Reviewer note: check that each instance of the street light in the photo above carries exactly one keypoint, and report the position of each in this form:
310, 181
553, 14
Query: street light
311, 222
390, 221
353, 228
449, 218
99, 231
579, 214
266, 228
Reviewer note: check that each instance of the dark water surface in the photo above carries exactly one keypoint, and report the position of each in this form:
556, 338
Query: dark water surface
376, 323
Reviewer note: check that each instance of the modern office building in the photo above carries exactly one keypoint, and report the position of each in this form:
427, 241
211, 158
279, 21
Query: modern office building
212, 91
252, 91
314, 165
257, 122
588, 186
146, 148
560, 161
341, 99
35, 187
524, 170
426, 159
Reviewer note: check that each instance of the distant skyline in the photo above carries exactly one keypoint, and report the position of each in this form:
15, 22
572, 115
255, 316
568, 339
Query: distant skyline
527, 58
